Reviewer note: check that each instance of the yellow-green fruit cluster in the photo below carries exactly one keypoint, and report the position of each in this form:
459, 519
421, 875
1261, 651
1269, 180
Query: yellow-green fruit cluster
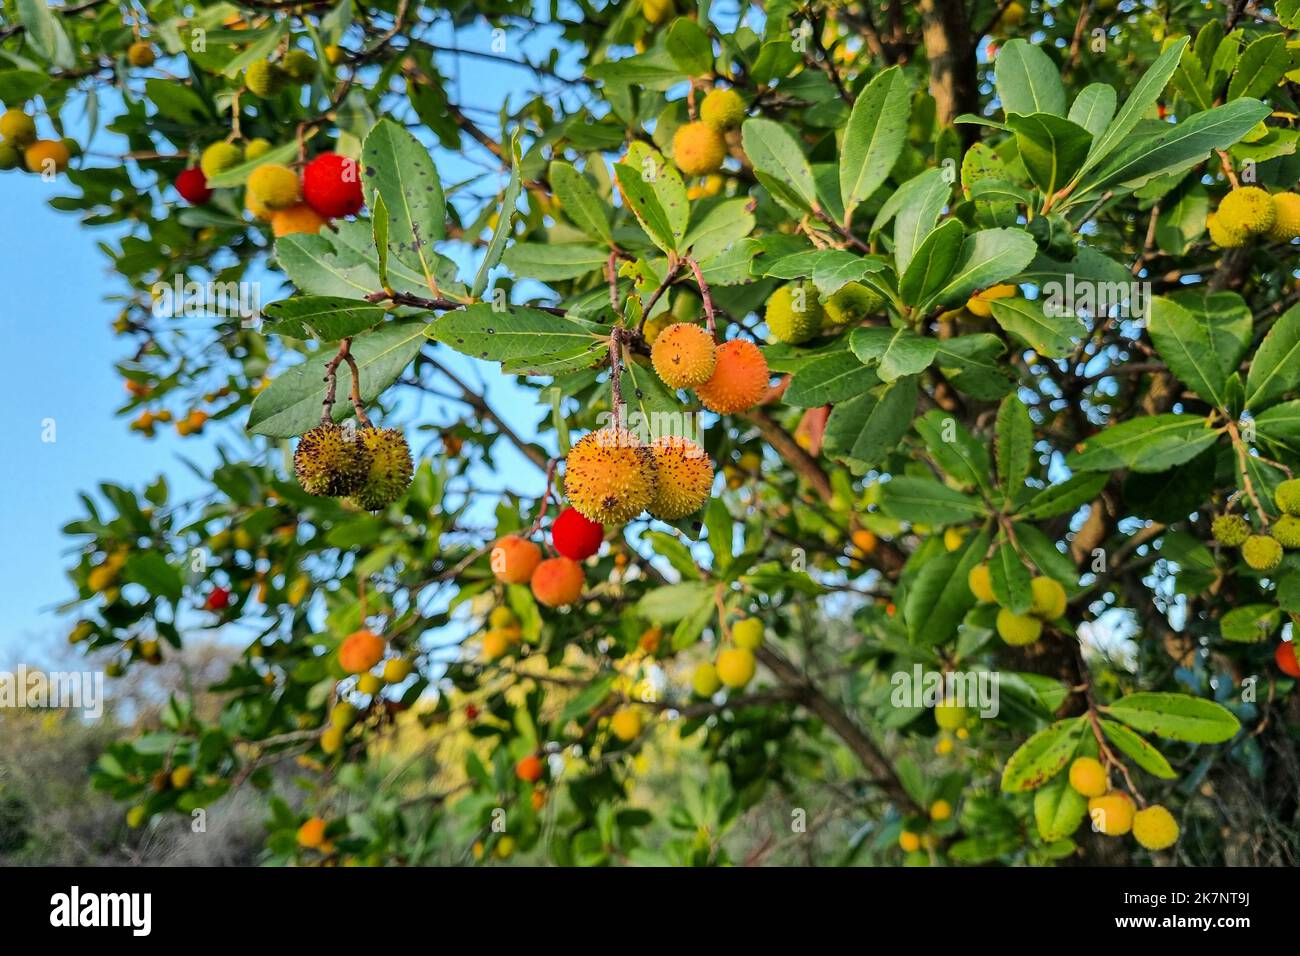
300, 66
851, 303
274, 186
1287, 497
219, 157
1244, 212
331, 461
722, 109
698, 149
1262, 552
1230, 530
256, 149
17, 128
610, 476
1286, 224
1287, 531
794, 313
390, 469
1048, 604
264, 78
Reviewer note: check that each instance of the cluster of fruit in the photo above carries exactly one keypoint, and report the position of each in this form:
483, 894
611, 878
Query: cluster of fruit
329, 188
912, 841
359, 653
734, 666
795, 312
1249, 211
1113, 812
555, 582
191, 424
371, 466
19, 145
268, 78
1048, 605
700, 146
953, 720
611, 477
1263, 551
728, 378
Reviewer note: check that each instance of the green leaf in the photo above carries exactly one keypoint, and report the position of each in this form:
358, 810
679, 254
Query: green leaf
1010, 579
1059, 499
1139, 103
397, 166
830, 378
1138, 750
1093, 108
1027, 80
291, 404
874, 137
1149, 443
670, 603
939, 597
690, 47
665, 230
45, 33
262, 45
1176, 717
505, 222
151, 570
1275, 369
720, 228
963, 458
1185, 345
774, 151
1058, 809
552, 262
927, 501
178, 102
328, 318
1260, 67
1052, 148
379, 232
988, 257
513, 334
1015, 444
1026, 319
1042, 756
919, 216
589, 697
654, 70
933, 263
896, 352
862, 430
581, 205
1250, 623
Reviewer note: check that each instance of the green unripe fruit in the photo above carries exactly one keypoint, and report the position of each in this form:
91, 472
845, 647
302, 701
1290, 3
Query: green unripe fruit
390, 470
1262, 552
264, 78
852, 303
1287, 496
9, 157
1018, 629
300, 66
17, 128
1049, 598
135, 817
219, 157
329, 461
343, 715
256, 149
748, 633
722, 109
794, 313
1287, 532
705, 680
949, 716
1230, 530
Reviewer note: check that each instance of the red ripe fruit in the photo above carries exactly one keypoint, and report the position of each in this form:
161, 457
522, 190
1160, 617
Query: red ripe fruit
574, 536
331, 185
529, 769
193, 186
470, 711
1286, 659
218, 600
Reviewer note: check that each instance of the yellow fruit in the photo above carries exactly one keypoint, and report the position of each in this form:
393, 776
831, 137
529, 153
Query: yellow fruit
705, 681
495, 644
17, 128
334, 54
657, 11
312, 833
736, 667
140, 53
1262, 552
274, 186
1155, 828
331, 741
748, 633
219, 157
46, 154
135, 817
851, 303
1088, 777
1049, 598
626, 723
1248, 209
909, 842
181, 777
369, 684
740, 379
864, 540
683, 355
953, 538
655, 326
505, 847
794, 313
264, 79
940, 810
343, 715
300, 66
610, 477
397, 670
980, 582
722, 109
1287, 497
1286, 222
943, 746
502, 616
296, 219
253, 205
330, 461
256, 149
1018, 629
1111, 813
1223, 235
683, 477
698, 149
978, 304
949, 715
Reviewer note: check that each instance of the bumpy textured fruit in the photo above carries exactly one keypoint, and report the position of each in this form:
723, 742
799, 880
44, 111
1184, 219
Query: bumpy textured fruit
219, 157
657, 11
851, 303
1248, 209
1231, 530
256, 149
735, 667
978, 304
626, 723
193, 186
312, 833
263, 78
748, 633
331, 184
557, 582
698, 149
980, 582
1018, 629
794, 313
574, 536
704, 681
722, 109
739, 381
529, 769
514, 559
1088, 777
1049, 598
1286, 221
360, 651
1285, 659
1287, 496
17, 128
610, 476
330, 461
300, 66
1155, 828
390, 469
296, 219
949, 715
45, 154
140, 53
684, 355
1287, 531
1111, 813
1223, 235
258, 210
275, 186
1262, 552
684, 477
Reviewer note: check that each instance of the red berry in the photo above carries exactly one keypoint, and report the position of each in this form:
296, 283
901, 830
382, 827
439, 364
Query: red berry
574, 536
529, 769
193, 186
470, 711
331, 185
218, 599
1286, 659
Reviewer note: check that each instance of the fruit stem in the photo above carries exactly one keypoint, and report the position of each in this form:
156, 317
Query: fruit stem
705, 295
